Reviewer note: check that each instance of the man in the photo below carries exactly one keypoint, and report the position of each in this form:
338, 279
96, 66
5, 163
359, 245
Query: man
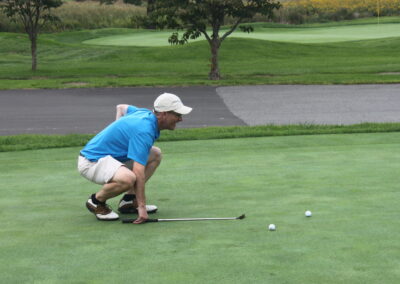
122, 156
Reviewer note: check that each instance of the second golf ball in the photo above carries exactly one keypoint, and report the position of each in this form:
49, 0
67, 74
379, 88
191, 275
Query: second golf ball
271, 227
308, 213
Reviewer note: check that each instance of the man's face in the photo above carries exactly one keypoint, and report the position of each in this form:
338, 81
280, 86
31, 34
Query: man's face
171, 119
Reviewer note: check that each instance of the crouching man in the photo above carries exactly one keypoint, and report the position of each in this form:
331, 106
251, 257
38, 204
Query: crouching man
122, 157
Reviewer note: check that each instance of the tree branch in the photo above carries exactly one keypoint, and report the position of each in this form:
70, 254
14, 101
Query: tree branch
231, 30
204, 32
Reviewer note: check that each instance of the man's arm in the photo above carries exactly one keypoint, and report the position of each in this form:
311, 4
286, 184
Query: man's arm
121, 110
139, 171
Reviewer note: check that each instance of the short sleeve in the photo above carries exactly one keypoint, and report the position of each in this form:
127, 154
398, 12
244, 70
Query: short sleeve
139, 148
131, 109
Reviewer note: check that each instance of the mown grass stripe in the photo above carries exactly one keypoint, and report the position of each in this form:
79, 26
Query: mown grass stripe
38, 141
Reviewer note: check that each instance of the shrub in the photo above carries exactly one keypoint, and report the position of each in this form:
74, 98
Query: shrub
76, 15
299, 11
85, 15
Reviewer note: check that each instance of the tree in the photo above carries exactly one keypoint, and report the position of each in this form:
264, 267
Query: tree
195, 16
142, 21
33, 14
150, 4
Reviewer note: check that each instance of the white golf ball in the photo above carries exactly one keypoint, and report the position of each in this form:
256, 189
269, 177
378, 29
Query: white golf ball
308, 213
271, 227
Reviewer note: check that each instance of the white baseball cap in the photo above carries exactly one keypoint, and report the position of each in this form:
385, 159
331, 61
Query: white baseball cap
170, 102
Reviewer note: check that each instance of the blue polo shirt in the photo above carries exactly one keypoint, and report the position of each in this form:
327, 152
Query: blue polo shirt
128, 138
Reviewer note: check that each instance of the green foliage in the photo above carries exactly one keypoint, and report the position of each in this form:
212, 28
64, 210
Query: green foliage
33, 13
85, 15
320, 11
194, 17
92, 15
134, 2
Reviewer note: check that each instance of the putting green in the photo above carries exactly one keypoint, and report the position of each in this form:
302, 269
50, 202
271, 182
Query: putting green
349, 182
299, 35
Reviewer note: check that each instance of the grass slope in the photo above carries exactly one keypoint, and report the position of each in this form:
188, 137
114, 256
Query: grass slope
64, 61
350, 182
319, 34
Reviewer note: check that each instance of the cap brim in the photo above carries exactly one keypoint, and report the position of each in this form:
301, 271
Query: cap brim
183, 110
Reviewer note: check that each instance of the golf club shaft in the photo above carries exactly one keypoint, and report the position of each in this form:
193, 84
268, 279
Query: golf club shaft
183, 219
195, 219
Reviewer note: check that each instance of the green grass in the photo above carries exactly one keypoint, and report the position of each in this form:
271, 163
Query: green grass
65, 62
325, 34
35, 141
321, 34
135, 38
349, 182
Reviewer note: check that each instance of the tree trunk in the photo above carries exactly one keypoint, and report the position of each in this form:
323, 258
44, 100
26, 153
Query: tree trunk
150, 6
33, 39
214, 72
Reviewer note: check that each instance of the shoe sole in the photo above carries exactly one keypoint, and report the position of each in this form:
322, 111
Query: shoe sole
106, 219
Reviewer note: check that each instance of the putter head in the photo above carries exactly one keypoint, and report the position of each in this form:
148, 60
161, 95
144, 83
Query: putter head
241, 217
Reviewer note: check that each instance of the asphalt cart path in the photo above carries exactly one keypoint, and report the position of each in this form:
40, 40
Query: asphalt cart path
66, 111
313, 104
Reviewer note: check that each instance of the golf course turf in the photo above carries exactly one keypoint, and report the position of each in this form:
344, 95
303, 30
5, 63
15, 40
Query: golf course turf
354, 52
287, 34
348, 181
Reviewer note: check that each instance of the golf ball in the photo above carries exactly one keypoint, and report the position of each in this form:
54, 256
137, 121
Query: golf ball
271, 227
308, 213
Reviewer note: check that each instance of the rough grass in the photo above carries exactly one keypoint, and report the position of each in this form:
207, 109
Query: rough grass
33, 141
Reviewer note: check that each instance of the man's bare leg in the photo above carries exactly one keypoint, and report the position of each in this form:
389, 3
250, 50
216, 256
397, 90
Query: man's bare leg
153, 162
128, 204
123, 181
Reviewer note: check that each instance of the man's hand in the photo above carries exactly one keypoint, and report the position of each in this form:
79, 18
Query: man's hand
138, 170
142, 215
121, 110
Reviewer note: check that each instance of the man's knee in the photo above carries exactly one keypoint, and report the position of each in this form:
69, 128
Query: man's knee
155, 155
125, 178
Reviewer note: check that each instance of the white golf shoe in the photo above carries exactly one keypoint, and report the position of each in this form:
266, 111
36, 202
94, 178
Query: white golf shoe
102, 211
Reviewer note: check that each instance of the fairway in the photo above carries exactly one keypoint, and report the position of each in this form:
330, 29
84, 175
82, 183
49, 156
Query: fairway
287, 34
349, 182
352, 52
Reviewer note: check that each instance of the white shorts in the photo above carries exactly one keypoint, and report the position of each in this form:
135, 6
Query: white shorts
102, 171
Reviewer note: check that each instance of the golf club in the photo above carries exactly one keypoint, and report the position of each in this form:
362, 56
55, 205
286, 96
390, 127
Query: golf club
129, 221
